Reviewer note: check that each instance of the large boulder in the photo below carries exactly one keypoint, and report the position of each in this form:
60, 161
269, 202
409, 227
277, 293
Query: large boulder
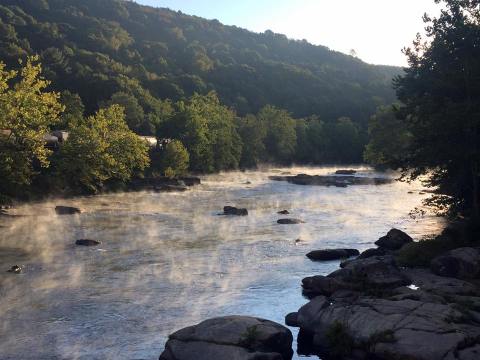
67, 210
372, 252
230, 338
387, 329
462, 263
231, 210
378, 272
332, 254
394, 240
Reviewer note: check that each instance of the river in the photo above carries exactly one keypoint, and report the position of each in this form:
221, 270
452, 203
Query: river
167, 260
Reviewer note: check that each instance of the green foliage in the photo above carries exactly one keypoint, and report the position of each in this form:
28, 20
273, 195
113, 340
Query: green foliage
90, 47
389, 138
208, 130
99, 149
419, 254
440, 92
26, 113
174, 160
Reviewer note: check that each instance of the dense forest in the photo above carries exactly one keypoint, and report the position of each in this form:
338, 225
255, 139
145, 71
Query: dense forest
97, 48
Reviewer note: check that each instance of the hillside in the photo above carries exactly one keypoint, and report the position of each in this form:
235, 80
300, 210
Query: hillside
98, 48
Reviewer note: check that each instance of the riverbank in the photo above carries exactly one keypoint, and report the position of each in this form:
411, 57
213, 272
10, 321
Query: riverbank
375, 308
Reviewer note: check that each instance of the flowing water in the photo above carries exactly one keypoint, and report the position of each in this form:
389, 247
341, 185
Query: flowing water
167, 260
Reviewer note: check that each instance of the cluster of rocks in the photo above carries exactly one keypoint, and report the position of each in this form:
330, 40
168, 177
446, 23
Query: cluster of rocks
332, 180
370, 308
232, 210
373, 309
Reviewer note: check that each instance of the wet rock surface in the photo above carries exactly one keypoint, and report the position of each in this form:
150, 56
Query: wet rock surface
394, 240
332, 254
331, 180
462, 263
232, 210
67, 210
87, 242
290, 221
229, 338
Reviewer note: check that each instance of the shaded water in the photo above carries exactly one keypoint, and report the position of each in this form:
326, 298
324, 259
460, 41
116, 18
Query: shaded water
167, 260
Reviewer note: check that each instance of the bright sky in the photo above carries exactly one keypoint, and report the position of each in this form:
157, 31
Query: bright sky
376, 29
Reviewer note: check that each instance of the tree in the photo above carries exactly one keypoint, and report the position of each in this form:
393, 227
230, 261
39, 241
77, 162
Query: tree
252, 133
441, 96
281, 138
174, 160
134, 114
27, 112
99, 149
389, 138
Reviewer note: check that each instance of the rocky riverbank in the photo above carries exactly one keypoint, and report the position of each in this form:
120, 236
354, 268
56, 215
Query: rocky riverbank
373, 307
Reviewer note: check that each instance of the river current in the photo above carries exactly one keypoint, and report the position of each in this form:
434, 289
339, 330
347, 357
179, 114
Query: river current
167, 260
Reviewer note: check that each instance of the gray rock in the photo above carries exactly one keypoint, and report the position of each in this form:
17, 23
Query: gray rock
67, 210
394, 240
332, 254
379, 272
372, 252
462, 263
231, 210
331, 180
87, 242
386, 329
230, 337
283, 212
291, 319
290, 221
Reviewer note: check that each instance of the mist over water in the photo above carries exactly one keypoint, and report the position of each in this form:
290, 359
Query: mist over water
168, 261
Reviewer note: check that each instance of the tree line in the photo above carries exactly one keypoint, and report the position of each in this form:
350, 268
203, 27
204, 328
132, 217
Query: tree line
199, 134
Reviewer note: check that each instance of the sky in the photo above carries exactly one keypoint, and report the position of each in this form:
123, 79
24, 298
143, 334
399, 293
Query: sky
376, 29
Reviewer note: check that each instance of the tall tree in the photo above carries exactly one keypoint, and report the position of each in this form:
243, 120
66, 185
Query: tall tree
27, 111
441, 96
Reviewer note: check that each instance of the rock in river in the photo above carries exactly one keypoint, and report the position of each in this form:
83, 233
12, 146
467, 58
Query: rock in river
394, 240
67, 210
87, 242
332, 254
283, 212
230, 338
231, 210
345, 172
15, 269
290, 221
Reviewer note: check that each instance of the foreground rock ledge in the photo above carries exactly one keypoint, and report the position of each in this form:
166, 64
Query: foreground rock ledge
230, 338
363, 312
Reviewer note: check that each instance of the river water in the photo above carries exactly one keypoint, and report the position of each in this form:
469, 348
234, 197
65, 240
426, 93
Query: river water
167, 260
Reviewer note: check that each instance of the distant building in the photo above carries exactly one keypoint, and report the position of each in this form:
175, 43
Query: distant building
150, 140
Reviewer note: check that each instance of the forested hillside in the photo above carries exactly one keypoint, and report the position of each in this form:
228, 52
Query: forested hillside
98, 48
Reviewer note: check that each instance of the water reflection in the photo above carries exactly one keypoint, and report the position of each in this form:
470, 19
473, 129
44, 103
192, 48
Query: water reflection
168, 261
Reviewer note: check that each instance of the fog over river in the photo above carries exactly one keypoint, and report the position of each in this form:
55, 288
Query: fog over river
167, 260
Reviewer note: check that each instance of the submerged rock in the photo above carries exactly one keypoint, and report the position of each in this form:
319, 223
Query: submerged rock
87, 242
290, 221
394, 240
332, 254
283, 212
67, 210
170, 188
231, 210
462, 263
15, 269
229, 338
